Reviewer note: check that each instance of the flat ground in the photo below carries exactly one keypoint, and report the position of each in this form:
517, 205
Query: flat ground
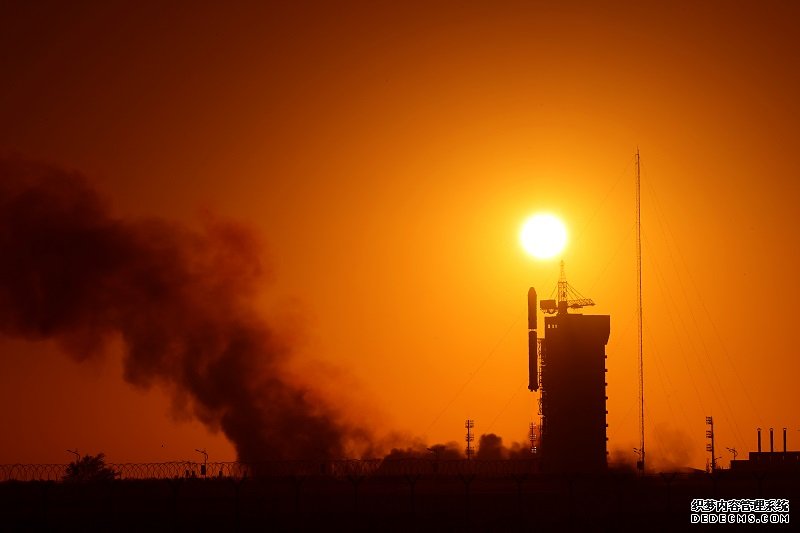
381, 502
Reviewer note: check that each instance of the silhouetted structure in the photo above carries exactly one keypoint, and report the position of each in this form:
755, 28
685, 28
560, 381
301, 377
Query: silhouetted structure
571, 375
771, 460
710, 445
469, 425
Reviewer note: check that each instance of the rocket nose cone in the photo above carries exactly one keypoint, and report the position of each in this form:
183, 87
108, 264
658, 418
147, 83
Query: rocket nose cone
531, 308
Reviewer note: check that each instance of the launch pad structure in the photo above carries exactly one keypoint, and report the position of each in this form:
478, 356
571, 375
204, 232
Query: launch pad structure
567, 365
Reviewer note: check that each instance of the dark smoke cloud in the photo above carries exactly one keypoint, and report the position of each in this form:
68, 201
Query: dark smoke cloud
443, 452
180, 299
490, 447
622, 460
673, 449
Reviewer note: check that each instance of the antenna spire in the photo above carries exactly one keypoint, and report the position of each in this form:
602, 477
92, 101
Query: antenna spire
641, 462
563, 288
567, 297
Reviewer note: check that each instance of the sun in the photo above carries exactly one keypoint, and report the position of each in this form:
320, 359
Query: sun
543, 236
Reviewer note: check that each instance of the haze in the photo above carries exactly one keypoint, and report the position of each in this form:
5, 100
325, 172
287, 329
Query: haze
386, 155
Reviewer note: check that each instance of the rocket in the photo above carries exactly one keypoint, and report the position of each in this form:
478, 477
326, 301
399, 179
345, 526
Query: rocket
533, 374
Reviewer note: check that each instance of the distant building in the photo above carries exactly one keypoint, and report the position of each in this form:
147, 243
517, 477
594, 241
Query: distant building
772, 461
785, 461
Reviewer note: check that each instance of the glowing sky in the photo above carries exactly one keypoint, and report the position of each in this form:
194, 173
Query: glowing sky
387, 154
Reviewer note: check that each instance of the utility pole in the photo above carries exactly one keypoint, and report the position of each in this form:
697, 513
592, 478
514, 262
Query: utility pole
203, 467
469, 424
733, 451
710, 445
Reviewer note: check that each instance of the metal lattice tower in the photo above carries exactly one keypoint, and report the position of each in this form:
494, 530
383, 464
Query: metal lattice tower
566, 297
710, 445
469, 424
532, 437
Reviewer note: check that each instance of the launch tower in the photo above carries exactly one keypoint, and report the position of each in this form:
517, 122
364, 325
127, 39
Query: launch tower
568, 365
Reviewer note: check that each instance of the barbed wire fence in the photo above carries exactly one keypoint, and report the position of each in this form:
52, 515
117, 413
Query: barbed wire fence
442, 492
345, 468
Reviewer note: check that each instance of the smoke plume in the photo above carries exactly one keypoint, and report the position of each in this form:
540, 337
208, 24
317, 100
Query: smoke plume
491, 447
180, 299
673, 450
418, 450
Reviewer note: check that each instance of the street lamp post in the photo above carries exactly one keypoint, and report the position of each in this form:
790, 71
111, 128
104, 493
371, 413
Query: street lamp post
205, 461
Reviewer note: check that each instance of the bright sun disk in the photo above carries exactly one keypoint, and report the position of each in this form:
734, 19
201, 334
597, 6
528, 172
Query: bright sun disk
543, 236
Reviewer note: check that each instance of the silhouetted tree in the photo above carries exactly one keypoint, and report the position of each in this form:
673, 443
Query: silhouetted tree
89, 468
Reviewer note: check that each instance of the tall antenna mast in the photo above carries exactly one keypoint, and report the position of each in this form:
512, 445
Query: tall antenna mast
639, 278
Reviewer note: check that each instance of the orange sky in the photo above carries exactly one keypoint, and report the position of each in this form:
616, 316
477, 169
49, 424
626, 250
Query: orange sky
388, 154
